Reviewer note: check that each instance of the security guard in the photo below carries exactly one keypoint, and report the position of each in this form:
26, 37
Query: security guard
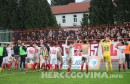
3, 53
23, 55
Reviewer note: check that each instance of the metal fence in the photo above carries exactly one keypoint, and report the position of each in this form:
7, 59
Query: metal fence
5, 35
59, 34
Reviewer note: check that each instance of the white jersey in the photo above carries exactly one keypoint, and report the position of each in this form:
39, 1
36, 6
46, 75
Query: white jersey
5, 60
121, 50
53, 55
30, 52
69, 51
53, 51
37, 51
9, 51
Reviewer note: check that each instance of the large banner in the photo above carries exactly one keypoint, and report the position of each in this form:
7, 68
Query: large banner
94, 50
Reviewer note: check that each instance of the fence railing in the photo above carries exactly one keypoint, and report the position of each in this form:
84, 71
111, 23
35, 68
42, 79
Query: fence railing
57, 34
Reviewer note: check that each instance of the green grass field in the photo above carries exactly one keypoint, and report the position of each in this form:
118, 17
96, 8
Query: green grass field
21, 77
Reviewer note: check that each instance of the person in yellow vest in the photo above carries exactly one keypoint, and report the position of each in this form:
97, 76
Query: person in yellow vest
106, 43
23, 55
3, 53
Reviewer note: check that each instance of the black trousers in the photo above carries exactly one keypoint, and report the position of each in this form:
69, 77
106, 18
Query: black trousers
127, 59
22, 61
1, 60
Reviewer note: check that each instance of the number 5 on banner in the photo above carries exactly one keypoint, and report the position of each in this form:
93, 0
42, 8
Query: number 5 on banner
93, 49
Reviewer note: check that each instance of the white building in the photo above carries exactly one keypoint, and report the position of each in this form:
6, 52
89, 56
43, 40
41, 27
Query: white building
71, 14
86, 0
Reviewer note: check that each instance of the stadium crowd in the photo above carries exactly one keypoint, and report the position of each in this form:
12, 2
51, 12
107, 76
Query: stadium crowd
82, 33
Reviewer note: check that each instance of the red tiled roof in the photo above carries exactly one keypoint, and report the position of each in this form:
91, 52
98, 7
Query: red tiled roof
71, 8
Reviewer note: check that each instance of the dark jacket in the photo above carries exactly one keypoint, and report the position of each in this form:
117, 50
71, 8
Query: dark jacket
47, 47
16, 50
24, 48
5, 52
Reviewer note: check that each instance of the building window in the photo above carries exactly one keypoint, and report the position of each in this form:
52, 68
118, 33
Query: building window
63, 19
75, 18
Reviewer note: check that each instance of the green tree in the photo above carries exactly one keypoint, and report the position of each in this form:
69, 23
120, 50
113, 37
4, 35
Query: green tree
101, 12
85, 20
51, 18
7, 13
23, 14
13, 6
61, 2
12, 13
3, 7
39, 14
122, 11
55, 2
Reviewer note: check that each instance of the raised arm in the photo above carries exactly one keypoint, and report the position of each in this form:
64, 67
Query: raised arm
110, 41
117, 45
88, 45
76, 41
66, 42
102, 41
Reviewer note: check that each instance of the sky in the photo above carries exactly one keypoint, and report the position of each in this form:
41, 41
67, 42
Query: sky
76, 0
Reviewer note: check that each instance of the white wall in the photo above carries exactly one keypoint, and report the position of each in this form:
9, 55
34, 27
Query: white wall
69, 19
49, 1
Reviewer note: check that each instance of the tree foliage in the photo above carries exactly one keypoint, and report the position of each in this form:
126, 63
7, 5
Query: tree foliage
24, 14
85, 20
101, 12
122, 11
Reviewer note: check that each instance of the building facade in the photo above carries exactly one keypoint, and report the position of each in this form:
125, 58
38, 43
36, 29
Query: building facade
71, 14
